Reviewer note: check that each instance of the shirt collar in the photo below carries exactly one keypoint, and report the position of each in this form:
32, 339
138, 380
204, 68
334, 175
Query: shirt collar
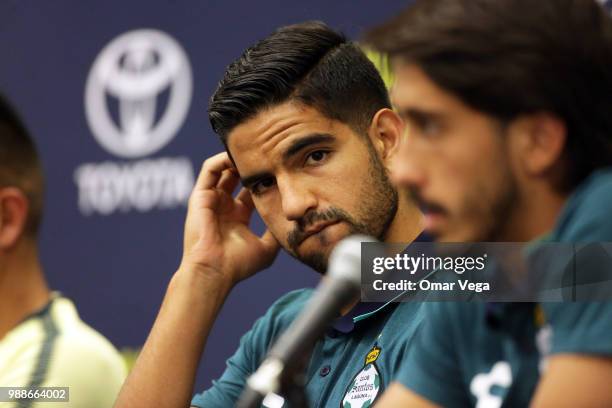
363, 310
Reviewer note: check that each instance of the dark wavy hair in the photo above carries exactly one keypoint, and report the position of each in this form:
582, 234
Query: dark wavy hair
512, 57
309, 63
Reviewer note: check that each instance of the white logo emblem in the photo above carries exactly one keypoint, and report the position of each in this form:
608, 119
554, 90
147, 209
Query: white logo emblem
138, 69
482, 385
363, 389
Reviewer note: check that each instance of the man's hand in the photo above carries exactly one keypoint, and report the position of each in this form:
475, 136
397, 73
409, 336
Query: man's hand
218, 241
574, 380
219, 251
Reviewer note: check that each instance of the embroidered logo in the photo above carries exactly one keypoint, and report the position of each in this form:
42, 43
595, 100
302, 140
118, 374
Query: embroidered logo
365, 385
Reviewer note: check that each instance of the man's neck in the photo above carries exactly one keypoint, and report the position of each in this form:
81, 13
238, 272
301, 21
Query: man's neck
407, 224
535, 215
405, 228
23, 289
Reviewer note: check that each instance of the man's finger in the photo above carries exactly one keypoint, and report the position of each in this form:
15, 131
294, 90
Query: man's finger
244, 196
270, 242
212, 170
229, 181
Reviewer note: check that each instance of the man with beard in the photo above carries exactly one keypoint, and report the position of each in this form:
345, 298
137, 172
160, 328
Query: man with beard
510, 139
308, 130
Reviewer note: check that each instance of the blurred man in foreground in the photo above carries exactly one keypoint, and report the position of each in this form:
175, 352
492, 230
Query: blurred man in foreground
307, 124
43, 343
510, 139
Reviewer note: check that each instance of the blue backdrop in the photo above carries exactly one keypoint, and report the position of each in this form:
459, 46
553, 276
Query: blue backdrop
114, 212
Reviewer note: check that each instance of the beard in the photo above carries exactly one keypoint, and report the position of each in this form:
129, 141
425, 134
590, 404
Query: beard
378, 203
487, 211
499, 218
497, 198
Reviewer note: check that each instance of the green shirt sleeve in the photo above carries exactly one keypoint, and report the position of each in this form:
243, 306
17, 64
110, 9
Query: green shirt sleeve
432, 368
585, 327
252, 349
580, 327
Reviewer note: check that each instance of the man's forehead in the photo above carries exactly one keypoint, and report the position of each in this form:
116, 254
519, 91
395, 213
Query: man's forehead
412, 88
267, 131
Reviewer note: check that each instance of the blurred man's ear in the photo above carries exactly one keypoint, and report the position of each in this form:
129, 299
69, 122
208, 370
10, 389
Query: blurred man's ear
386, 133
539, 144
13, 216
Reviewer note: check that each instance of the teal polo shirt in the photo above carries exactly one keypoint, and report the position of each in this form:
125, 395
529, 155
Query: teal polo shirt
349, 368
492, 354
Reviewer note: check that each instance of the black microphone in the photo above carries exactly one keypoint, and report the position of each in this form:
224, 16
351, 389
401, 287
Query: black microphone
339, 287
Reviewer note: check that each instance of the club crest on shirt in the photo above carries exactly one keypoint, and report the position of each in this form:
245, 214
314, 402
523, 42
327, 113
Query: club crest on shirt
365, 385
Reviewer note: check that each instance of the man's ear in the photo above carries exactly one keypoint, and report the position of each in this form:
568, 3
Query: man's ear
539, 142
386, 133
13, 216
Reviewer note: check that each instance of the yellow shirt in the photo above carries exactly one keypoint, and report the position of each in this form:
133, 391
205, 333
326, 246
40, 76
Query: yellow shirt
54, 348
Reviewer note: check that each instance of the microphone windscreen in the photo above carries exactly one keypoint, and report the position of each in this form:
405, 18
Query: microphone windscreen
345, 259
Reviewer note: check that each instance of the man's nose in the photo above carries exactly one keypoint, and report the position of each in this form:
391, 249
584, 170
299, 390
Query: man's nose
297, 199
406, 167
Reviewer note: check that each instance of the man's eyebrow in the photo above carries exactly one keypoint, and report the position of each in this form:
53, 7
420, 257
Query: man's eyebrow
299, 144
418, 114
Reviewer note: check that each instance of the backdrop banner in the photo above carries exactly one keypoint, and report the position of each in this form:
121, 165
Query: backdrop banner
115, 94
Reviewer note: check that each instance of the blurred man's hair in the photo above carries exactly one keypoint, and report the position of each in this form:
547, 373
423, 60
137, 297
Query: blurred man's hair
19, 164
308, 63
513, 57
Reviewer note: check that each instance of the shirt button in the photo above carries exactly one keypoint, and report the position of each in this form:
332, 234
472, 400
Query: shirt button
324, 370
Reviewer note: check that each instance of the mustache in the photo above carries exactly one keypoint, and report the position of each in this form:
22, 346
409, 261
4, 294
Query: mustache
295, 237
425, 205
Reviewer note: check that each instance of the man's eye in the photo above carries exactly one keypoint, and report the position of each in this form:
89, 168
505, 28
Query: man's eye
316, 157
424, 126
430, 127
261, 186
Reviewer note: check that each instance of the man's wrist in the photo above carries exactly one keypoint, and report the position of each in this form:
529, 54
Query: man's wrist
201, 281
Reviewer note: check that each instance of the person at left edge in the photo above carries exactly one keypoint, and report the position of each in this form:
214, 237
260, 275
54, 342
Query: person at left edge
43, 342
306, 121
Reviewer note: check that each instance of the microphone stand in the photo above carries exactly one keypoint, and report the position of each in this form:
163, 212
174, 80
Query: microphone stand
288, 355
291, 381
294, 391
